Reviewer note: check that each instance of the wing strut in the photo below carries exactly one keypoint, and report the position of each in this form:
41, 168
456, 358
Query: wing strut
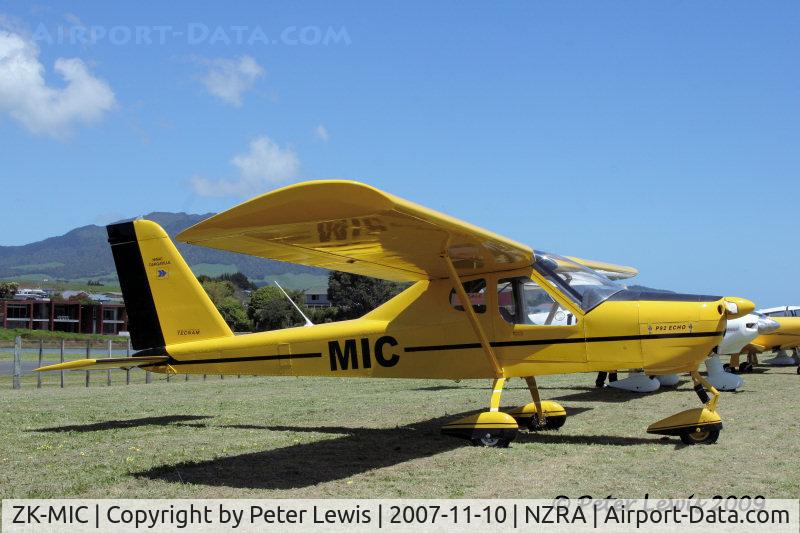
302, 314
473, 318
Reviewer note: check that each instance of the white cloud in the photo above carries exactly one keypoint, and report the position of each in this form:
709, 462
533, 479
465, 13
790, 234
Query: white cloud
322, 133
26, 97
229, 79
262, 167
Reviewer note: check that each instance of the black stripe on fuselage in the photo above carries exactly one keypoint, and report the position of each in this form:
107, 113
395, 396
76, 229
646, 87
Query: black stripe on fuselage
440, 347
540, 342
172, 361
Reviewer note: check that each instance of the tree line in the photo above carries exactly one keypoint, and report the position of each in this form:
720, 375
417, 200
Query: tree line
246, 307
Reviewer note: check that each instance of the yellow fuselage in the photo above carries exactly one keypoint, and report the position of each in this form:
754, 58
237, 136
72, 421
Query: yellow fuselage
786, 337
418, 334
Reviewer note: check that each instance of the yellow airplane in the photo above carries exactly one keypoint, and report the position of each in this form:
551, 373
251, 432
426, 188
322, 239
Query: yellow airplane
481, 306
786, 337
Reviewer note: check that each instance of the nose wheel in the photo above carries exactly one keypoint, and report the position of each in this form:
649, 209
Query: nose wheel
700, 437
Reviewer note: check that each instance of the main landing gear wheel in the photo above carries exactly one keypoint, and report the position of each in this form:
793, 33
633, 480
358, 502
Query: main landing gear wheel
700, 437
554, 422
489, 440
550, 423
489, 429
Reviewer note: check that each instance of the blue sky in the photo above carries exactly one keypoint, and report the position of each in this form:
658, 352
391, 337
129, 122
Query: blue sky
663, 135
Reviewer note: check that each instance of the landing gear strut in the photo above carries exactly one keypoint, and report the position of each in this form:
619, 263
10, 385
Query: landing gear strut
492, 428
694, 426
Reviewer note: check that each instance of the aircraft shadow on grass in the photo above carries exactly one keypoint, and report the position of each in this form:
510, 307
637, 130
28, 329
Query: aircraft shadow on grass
121, 424
350, 451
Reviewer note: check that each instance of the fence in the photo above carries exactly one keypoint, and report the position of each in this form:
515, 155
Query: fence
20, 359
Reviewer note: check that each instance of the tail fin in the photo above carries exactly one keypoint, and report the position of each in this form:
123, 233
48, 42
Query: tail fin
165, 302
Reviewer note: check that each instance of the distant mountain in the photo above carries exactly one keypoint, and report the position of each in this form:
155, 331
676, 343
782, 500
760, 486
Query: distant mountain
83, 253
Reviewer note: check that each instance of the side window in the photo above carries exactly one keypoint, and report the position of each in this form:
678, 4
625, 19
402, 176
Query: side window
522, 301
476, 291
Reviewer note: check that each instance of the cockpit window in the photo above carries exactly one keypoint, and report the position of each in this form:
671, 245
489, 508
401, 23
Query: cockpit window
522, 301
476, 292
584, 286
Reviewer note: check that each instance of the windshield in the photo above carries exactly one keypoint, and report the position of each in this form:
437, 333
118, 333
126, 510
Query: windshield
584, 286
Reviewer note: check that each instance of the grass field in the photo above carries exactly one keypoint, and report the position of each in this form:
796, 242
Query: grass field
302, 437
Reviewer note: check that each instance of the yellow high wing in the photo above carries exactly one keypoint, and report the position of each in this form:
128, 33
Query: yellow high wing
352, 227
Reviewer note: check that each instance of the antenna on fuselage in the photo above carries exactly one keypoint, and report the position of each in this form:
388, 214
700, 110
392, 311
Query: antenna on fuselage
308, 321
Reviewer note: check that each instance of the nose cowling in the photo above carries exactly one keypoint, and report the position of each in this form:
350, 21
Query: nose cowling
736, 307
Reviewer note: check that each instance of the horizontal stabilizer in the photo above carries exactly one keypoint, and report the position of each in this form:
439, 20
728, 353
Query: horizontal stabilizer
105, 364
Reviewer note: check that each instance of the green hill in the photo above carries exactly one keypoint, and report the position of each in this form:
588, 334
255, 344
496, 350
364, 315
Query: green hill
83, 254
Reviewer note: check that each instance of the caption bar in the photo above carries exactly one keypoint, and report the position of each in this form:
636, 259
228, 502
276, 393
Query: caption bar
74, 515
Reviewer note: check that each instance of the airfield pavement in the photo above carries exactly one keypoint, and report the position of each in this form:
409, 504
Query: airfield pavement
305, 437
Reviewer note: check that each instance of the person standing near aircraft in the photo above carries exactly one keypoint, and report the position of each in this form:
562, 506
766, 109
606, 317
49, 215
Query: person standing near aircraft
600, 382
